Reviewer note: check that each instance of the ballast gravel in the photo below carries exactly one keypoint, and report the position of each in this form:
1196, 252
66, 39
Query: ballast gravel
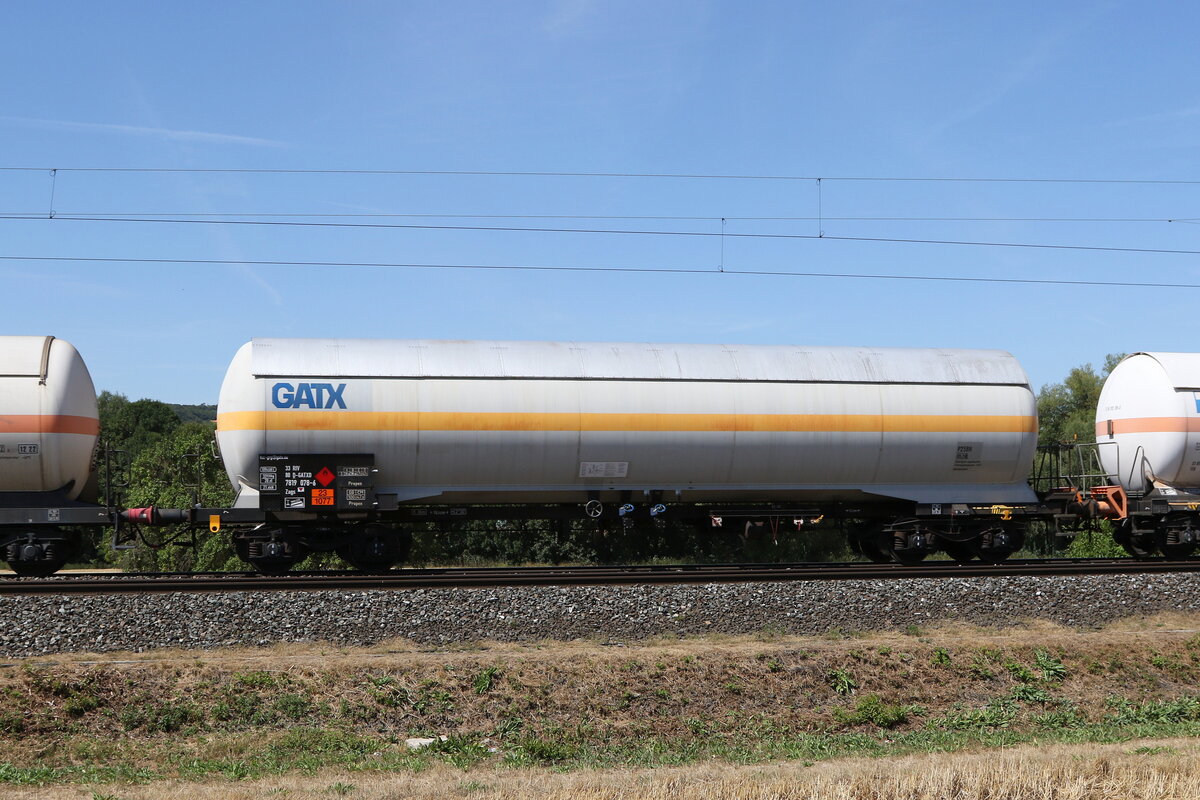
42, 625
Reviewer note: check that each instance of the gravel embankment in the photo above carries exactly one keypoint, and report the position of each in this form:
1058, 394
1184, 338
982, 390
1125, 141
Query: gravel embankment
36, 625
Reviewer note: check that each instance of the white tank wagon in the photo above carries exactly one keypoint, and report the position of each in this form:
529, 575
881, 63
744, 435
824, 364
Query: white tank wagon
933, 446
1148, 440
49, 426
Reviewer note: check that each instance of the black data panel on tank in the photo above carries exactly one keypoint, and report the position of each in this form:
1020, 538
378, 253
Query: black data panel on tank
316, 483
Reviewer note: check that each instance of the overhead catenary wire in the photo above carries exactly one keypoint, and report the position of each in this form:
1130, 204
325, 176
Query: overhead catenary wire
585, 174
620, 231
601, 269
669, 217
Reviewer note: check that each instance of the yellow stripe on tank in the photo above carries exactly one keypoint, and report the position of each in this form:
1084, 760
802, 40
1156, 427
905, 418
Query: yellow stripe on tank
543, 422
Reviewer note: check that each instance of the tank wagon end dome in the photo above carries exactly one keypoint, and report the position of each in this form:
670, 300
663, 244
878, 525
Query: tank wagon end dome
49, 421
1148, 420
1182, 370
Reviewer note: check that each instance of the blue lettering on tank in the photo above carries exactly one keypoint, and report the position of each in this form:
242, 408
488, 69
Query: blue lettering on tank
304, 396
282, 395
335, 395
308, 395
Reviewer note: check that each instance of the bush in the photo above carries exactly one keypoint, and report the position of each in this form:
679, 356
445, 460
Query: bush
166, 717
1181, 709
543, 751
485, 679
1052, 669
841, 681
1029, 694
996, 714
1095, 544
871, 710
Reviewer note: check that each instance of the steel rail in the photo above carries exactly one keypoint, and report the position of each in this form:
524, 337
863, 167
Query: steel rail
497, 577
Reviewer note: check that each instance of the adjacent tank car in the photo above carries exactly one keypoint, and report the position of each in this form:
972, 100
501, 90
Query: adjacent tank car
1148, 440
48, 431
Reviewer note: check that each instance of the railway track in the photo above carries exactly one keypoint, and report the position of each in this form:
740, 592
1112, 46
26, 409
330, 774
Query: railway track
110, 583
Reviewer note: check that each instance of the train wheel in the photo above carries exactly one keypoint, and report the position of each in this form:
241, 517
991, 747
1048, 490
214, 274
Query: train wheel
35, 569
276, 555
907, 543
876, 545
996, 544
1139, 547
1138, 543
1177, 552
1175, 536
909, 558
1175, 543
375, 548
36, 558
962, 552
273, 566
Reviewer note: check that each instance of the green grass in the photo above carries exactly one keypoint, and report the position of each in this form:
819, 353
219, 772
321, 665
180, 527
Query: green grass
309, 750
42, 776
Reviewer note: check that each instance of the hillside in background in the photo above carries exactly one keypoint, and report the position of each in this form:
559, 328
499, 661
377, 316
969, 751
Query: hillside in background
202, 412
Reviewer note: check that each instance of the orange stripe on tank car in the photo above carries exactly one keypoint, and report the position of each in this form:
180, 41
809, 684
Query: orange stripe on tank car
959, 423
1150, 425
555, 421
49, 423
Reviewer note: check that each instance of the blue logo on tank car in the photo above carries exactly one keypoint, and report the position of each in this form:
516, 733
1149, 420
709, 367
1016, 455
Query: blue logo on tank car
308, 395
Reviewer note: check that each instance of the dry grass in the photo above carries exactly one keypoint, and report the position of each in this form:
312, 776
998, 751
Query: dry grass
1160, 769
721, 696
657, 688
400, 652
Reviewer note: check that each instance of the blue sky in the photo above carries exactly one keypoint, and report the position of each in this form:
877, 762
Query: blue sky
833, 90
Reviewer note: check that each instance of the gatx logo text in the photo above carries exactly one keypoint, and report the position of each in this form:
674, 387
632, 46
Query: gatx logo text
308, 395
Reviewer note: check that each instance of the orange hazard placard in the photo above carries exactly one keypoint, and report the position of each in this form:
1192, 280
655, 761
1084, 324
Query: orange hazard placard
322, 497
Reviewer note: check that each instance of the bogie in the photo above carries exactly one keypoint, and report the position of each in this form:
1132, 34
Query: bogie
996, 543
274, 553
375, 548
1177, 536
38, 553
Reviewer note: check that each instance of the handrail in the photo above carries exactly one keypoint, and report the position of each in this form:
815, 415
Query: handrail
1081, 471
1142, 452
